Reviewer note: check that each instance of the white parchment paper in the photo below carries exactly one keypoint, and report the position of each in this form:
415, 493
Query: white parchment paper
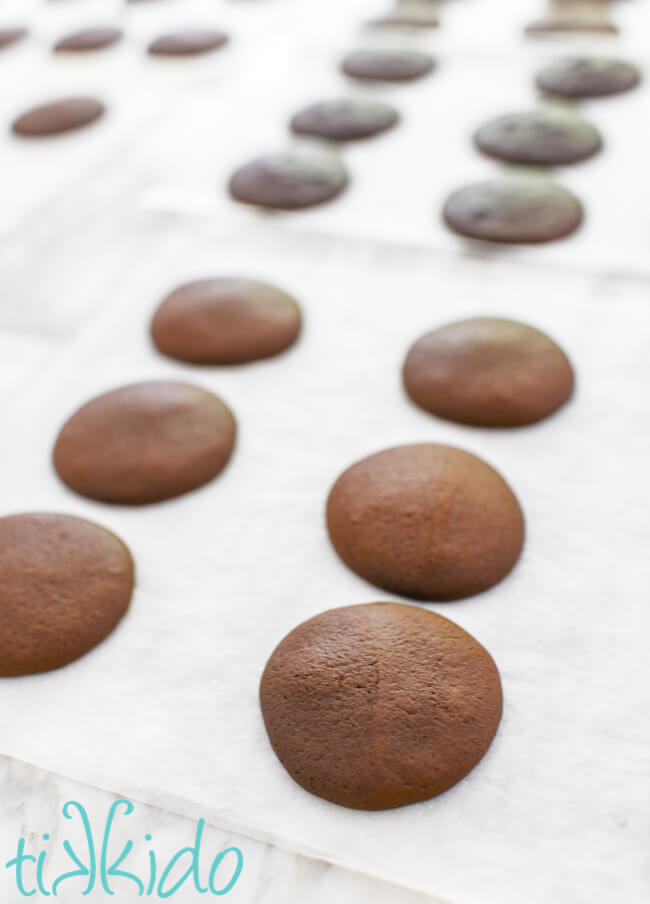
166, 709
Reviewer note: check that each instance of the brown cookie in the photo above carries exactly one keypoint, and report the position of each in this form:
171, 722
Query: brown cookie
426, 521
587, 77
65, 583
345, 120
59, 116
225, 321
513, 211
289, 181
89, 39
387, 65
488, 372
541, 137
189, 42
9, 36
381, 705
145, 443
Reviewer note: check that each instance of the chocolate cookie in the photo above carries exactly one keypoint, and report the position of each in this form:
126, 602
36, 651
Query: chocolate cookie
289, 181
381, 705
488, 372
9, 36
405, 18
58, 117
542, 137
427, 521
587, 77
513, 211
65, 583
345, 120
387, 65
225, 321
144, 443
89, 39
189, 42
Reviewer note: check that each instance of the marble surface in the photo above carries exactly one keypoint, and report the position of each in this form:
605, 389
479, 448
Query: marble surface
32, 802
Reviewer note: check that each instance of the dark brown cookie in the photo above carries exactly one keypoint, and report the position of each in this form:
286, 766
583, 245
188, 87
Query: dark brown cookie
541, 137
488, 372
144, 443
345, 120
427, 521
65, 583
289, 181
225, 321
387, 65
89, 39
513, 211
407, 18
9, 36
59, 116
587, 77
188, 42
381, 705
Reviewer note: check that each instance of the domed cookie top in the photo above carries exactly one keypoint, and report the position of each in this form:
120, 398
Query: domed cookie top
387, 65
488, 372
542, 137
89, 39
427, 521
65, 583
188, 42
9, 36
587, 77
380, 705
145, 443
59, 116
289, 181
345, 120
513, 211
225, 321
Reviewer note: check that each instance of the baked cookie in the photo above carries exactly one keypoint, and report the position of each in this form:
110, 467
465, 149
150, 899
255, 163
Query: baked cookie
488, 372
9, 36
426, 521
225, 321
145, 442
65, 583
587, 77
387, 65
189, 42
89, 39
289, 181
541, 137
345, 120
380, 705
513, 211
59, 116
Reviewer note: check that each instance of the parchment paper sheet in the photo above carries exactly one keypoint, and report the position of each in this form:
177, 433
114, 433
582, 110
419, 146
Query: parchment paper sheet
166, 709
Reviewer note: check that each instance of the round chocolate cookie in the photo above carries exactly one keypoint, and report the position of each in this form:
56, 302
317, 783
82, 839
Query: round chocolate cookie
427, 521
402, 18
145, 443
587, 77
542, 137
89, 39
65, 583
488, 372
9, 36
289, 181
513, 211
345, 120
59, 116
189, 42
225, 321
380, 705
387, 65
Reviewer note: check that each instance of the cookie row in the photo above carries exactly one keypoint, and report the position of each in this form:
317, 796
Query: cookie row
186, 42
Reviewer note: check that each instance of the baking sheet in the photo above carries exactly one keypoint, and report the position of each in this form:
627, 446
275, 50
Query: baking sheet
166, 709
